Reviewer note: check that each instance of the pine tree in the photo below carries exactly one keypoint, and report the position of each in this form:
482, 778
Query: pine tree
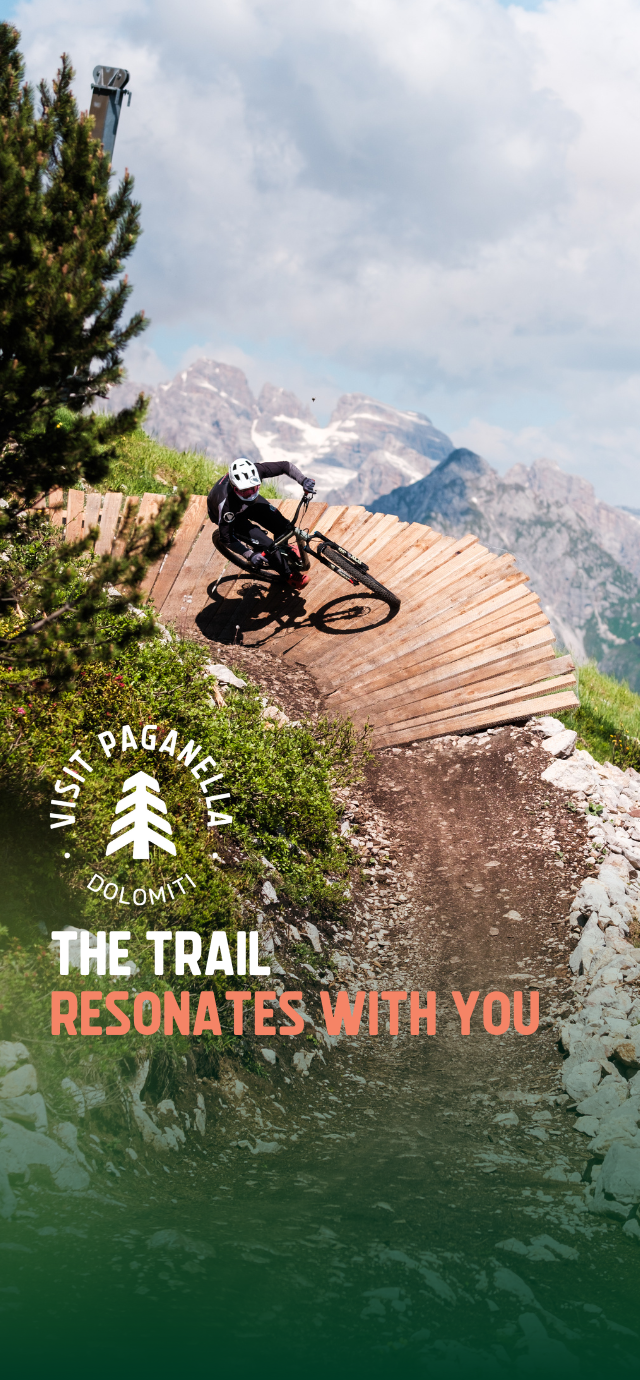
64, 236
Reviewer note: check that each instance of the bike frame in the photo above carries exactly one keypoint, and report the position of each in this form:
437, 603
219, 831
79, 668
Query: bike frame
325, 543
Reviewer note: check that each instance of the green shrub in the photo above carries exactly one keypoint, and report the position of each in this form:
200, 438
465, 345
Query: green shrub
282, 805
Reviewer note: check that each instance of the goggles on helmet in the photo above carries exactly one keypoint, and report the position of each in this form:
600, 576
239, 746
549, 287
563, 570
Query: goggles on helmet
246, 494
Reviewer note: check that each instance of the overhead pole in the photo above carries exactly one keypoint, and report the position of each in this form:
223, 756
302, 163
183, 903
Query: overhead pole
108, 88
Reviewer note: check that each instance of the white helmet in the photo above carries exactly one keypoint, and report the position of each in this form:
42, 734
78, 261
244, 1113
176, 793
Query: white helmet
244, 478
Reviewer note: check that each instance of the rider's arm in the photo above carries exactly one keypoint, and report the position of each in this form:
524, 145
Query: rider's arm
215, 498
270, 469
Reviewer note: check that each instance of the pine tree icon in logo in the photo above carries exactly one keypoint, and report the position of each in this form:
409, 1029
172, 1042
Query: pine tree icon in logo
142, 818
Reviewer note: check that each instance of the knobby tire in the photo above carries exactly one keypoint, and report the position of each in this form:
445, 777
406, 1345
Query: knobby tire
350, 568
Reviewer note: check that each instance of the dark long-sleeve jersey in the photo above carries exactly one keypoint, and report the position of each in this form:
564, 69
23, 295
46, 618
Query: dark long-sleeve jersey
224, 506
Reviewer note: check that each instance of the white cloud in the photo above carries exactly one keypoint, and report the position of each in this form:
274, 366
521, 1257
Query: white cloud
440, 194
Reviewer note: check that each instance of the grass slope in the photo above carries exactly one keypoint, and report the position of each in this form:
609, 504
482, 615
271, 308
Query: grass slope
608, 719
144, 465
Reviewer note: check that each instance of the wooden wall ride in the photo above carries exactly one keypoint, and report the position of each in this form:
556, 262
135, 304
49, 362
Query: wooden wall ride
469, 648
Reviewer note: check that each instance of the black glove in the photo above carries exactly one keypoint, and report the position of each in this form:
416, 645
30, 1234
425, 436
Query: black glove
308, 486
258, 558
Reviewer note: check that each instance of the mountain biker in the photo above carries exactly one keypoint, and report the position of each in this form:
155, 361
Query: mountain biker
236, 505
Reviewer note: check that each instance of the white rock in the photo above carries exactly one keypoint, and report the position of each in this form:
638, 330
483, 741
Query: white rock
632, 1228
11, 1054
8, 1200
620, 1125
561, 744
611, 879
511, 1283
549, 726
620, 1173
200, 1114
314, 935
20, 1148
302, 1060
591, 941
69, 1086
224, 674
589, 1125
27, 1107
342, 961
507, 1119
269, 1055
68, 1134
593, 895
581, 1079
276, 715
628, 1050
570, 776
269, 895
18, 1081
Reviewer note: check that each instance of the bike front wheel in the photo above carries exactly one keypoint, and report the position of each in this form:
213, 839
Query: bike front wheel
355, 572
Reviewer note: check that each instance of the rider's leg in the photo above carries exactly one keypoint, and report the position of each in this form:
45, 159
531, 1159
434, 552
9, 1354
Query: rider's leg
270, 517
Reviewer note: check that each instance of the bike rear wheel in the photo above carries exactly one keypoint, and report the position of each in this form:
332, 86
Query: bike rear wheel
356, 573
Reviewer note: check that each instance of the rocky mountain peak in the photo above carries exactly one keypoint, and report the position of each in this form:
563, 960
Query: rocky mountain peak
366, 449
278, 402
579, 556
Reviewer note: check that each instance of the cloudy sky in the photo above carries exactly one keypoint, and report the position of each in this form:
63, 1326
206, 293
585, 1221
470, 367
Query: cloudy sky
436, 202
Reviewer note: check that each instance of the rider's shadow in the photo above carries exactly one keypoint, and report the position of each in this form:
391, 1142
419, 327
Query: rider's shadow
350, 614
258, 610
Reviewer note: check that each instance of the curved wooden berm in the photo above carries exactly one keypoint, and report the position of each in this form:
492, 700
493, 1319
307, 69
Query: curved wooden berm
469, 648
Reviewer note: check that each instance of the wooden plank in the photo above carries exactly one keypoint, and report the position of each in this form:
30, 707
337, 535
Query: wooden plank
499, 650
150, 505
189, 576
442, 708
532, 661
484, 615
499, 655
378, 538
469, 640
161, 576
75, 506
414, 730
447, 679
435, 613
423, 624
457, 645
314, 514
510, 696
91, 515
108, 523
56, 507
129, 510
344, 658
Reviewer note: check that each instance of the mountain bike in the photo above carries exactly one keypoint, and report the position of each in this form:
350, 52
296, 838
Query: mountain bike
328, 552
